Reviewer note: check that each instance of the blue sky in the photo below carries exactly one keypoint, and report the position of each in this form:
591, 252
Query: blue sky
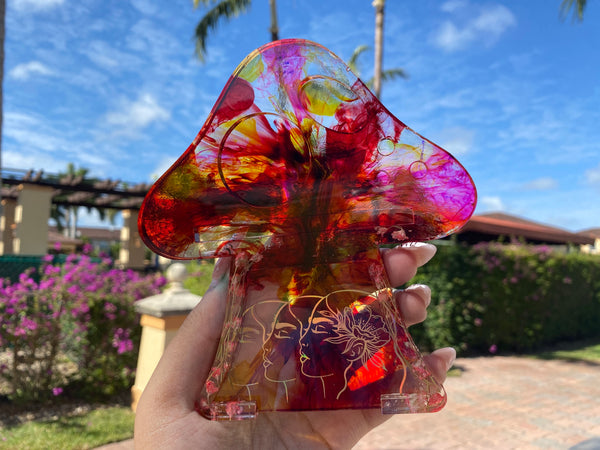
506, 86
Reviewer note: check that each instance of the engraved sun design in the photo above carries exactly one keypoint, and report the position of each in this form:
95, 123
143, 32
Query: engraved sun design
363, 333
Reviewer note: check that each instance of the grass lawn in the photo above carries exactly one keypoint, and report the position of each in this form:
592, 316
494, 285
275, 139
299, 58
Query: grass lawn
586, 351
87, 431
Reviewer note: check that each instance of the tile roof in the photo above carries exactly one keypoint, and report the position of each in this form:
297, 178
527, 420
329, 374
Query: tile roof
501, 224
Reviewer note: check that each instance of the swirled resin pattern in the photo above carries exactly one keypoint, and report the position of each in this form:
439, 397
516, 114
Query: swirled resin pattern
300, 174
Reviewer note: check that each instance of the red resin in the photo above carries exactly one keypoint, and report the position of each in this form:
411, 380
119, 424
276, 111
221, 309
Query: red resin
300, 174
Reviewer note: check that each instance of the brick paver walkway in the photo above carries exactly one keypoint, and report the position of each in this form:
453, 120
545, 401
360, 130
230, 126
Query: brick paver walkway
503, 403
500, 403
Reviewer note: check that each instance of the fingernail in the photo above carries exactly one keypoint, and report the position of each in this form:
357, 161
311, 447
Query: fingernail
422, 251
219, 272
449, 355
422, 291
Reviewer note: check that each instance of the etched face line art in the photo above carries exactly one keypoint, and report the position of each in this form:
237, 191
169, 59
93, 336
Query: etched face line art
316, 325
264, 335
358, 332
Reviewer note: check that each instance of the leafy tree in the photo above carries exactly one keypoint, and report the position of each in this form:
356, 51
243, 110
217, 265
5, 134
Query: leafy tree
577, 6
226, 9
66, 216
386, 75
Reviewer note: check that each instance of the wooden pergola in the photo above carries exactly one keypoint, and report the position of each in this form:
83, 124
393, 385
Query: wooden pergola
27, 197
69, 190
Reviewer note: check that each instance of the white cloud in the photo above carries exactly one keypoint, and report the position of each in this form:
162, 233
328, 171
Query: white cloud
102, 54
487, 26
32, 132
145, 7
109, 57
490, 203
541, 184
49, 144
453, 5
161, 168
17, 160
592, 176
36, 5
24, 71
457, 140
136, 115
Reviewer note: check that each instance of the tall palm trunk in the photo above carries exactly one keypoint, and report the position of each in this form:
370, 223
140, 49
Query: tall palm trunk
2, 32
378, 68
274, 26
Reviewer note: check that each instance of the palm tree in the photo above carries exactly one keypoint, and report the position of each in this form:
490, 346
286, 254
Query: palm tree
2, 32
578, 7
226, 9
385, 75
379, 6
69, 214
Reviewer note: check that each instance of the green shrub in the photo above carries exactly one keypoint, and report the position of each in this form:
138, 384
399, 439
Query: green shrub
200, 274
491, 297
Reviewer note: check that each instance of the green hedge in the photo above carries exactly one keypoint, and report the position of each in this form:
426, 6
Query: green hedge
510, 298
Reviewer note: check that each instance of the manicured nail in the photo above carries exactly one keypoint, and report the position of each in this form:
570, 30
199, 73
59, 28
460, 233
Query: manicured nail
219, 272
449, 355
422, 251
422, 291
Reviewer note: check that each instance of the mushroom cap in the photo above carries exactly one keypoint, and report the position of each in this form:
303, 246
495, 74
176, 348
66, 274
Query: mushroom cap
297, 147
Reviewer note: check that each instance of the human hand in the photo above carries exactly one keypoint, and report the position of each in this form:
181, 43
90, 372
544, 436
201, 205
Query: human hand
166, 415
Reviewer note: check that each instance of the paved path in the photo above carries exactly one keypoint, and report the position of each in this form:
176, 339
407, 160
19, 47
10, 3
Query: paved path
500, 403
503, 403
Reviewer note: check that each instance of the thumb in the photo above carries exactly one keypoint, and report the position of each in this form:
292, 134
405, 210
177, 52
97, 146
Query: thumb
187, 360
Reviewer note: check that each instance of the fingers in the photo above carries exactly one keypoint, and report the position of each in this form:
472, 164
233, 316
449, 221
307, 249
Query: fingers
401, 262
413, 302
440, 361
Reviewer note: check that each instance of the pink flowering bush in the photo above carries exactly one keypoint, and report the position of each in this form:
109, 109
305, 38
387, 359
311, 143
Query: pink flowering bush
493, 297
80, 313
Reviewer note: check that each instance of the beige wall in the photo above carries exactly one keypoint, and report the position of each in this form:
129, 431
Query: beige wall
31, 219
7, 226
132, 248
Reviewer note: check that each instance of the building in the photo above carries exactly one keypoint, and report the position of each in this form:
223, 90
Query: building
493, 226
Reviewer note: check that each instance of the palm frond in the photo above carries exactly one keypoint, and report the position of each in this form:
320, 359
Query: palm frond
353, 61
578, 7
223, 9
388, 75
204, 2
392, 74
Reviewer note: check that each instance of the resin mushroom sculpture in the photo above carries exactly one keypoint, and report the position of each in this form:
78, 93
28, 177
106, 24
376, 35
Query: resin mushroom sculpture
300, 175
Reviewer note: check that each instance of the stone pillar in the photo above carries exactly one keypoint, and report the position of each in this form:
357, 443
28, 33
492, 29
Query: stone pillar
162, 315
133, 249
7, 226
31, 219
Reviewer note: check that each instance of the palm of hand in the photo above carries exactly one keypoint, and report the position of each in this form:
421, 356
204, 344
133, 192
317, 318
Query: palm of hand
167, 417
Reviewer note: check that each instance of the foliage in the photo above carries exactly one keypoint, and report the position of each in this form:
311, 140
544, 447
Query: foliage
386, 75
577, 6
221, 9
494, 297
69, 213
200, 274
79, 315
98, 427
